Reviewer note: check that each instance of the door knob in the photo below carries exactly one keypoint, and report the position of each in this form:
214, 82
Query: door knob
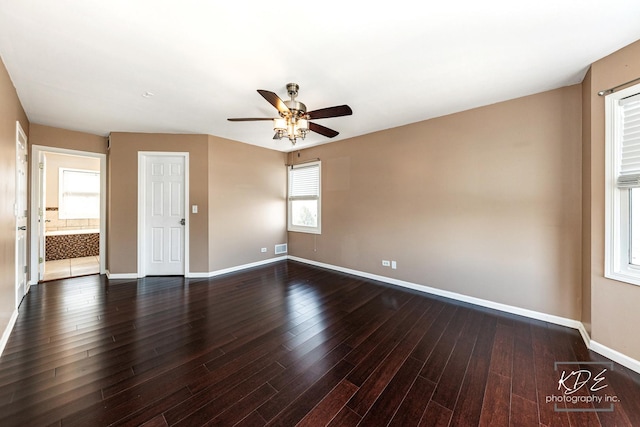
182, 221
24, 227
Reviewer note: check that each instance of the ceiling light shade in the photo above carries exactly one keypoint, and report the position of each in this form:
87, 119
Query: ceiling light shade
279, 125
303, 125
301, 128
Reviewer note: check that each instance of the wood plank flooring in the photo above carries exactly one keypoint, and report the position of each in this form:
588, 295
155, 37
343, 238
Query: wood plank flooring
289, 344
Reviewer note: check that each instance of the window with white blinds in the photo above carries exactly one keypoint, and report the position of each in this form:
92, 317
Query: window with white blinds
629, 142
622, 188
304, 198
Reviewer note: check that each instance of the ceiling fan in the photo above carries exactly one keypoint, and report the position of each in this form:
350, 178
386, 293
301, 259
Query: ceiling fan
294, 118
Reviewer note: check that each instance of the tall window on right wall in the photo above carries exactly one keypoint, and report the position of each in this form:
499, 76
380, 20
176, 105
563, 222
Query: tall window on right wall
622, 188
304, 198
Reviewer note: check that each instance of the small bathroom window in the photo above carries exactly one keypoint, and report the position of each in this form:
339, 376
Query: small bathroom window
79, 194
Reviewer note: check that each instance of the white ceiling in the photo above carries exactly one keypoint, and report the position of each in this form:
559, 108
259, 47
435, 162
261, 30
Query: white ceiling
85, 64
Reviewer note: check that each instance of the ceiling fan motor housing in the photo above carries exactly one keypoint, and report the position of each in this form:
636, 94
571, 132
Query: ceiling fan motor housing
298, 109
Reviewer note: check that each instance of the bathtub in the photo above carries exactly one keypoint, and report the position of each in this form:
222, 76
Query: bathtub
65, 244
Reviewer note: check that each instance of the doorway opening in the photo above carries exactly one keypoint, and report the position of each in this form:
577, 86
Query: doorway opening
69, 220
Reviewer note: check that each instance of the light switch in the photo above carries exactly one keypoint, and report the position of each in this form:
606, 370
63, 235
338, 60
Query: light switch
194, 209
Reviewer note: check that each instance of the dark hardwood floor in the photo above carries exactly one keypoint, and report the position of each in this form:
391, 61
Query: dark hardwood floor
289, 344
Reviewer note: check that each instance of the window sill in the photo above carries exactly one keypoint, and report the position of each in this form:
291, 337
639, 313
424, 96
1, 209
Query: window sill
631, 278
302, 230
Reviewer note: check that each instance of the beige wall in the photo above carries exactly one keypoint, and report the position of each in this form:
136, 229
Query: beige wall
247, 203
615, 306
485, 203
10, 112
239, 190
62, 138
122, 215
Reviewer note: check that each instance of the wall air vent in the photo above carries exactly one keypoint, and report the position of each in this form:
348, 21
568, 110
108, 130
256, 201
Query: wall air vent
281, 249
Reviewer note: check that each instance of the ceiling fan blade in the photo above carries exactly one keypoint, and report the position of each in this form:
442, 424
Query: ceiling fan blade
277, 136
330, 133
249, 119
325, 113
274, 100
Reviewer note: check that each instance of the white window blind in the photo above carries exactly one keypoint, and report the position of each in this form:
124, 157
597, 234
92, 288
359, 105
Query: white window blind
629, 151
304, 182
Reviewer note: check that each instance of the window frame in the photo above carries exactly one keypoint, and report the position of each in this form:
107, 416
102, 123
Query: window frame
618, 216
62, 212
318, 198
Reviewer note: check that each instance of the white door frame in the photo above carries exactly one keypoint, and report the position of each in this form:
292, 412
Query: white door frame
37, 151
21, 270
142, 196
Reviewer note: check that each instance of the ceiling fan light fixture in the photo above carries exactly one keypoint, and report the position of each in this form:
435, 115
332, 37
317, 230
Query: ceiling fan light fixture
291, 127
279, 125
301, 127
294, 118
291, 130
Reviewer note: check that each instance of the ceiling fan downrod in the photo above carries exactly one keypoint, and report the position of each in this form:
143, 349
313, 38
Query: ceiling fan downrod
292, 90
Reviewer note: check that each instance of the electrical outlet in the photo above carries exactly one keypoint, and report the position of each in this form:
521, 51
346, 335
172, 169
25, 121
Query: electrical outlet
394, 265
263, 250
385, 263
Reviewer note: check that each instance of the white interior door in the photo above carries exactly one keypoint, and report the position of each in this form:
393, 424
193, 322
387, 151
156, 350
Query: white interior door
164, 220
21, 214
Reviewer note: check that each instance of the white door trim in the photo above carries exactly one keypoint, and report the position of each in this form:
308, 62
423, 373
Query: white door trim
36, 154
142, 156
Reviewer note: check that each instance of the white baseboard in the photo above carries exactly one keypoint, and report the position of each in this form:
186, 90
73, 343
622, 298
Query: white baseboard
205, 274
563, 321
117, 276
558, 320
616, 356
585, 335
7, 331
236, 268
